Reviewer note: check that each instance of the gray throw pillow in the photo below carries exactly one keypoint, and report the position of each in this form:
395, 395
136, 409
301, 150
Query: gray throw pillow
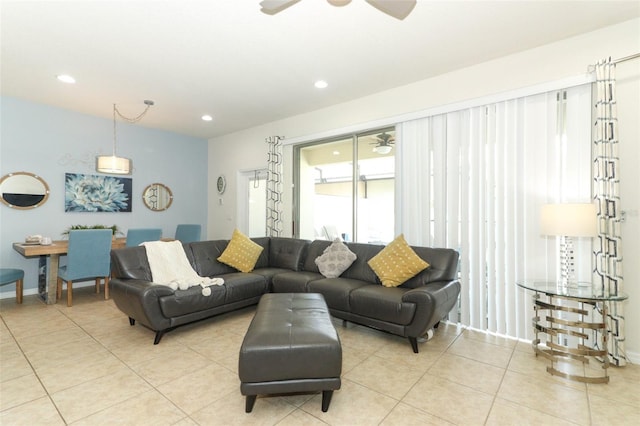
335, 259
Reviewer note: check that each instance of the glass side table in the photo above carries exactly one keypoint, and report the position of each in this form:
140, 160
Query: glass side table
569, 317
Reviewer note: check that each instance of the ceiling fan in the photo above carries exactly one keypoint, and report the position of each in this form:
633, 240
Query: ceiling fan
383, 143
399, 9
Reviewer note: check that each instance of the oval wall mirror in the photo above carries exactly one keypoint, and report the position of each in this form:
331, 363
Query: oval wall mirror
157, 197
23, 190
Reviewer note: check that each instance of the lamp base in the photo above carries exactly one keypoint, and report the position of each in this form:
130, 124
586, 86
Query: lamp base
567, 263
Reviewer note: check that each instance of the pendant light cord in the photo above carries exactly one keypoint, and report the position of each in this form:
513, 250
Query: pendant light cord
149, 104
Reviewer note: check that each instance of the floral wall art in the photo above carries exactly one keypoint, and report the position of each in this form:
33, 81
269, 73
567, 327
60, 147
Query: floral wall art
96, 193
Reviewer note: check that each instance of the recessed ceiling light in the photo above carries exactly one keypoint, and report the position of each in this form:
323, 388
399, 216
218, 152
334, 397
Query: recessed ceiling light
336, 152
207, 117
321, 84
65, 78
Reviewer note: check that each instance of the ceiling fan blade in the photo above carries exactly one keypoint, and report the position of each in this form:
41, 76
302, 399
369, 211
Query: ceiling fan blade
271, 7
399, 9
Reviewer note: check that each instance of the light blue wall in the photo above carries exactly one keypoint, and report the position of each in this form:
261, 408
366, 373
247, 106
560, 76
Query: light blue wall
50, 141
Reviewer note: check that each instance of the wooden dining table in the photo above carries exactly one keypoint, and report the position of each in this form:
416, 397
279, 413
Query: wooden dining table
48, 274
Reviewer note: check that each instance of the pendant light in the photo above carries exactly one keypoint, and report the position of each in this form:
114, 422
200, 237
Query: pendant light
112, 164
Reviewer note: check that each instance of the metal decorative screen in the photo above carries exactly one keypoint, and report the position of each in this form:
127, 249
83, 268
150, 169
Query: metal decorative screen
606, 190
274, 187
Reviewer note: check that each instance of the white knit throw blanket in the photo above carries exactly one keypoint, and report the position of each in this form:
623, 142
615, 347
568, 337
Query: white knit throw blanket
170, 266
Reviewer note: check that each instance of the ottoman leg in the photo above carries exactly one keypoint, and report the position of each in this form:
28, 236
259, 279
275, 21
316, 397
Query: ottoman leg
326, 400
251, 399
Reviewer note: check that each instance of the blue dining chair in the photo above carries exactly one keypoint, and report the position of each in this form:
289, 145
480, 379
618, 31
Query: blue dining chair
89, 257
137, 236
10, 275
188, 233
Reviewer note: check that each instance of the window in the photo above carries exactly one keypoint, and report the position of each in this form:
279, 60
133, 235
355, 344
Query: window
252, 204
475, 179
339, 197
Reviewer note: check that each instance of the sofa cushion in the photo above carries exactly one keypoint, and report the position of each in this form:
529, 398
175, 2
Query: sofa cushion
263, 259
184, 302
287, 253
336, 291
375, 301
237, 287
205, 256
294, 282
335, 259
242, 286
360, 269
443, 266
241, 253
397, 263
315, 249
269, 273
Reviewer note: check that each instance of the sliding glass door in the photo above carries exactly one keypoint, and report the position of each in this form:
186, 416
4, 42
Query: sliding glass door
337, 197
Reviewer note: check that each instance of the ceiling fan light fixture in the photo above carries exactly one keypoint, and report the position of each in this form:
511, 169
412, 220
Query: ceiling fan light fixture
321, 84
339, 3
66, 78
382, 149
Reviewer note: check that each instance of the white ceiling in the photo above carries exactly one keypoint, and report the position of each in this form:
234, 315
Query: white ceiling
227, 59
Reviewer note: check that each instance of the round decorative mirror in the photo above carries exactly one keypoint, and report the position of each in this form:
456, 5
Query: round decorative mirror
23, 190
221, 184
157, 197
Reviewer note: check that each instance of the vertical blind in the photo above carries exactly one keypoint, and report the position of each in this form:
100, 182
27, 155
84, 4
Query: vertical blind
474, 180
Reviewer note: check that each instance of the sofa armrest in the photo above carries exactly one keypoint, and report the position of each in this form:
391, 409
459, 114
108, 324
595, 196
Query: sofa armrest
140, 300
433, 302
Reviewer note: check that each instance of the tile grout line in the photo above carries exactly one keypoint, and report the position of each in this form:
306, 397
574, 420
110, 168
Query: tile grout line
35, 373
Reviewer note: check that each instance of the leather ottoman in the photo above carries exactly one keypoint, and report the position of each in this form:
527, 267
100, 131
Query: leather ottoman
291, 346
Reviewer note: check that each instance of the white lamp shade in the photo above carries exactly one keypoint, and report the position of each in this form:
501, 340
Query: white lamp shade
569, 220
113, 165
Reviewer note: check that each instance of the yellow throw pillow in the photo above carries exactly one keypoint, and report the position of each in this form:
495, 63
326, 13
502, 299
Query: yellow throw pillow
241, 253
396, 263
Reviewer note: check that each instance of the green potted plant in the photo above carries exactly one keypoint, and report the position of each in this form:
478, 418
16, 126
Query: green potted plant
114, 229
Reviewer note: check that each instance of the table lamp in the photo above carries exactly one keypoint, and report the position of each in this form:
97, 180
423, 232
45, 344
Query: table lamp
568, 221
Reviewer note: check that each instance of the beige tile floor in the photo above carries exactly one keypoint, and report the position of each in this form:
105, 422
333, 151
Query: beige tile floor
85, 365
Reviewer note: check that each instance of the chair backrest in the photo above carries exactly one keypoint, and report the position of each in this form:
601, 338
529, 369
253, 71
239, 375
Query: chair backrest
89, 253
188, 233
137, 236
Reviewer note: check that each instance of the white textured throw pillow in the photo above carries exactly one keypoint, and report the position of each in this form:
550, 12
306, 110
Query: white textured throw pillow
335, 259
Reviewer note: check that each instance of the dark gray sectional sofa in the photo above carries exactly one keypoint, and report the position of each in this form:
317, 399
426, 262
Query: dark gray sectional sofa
287, 265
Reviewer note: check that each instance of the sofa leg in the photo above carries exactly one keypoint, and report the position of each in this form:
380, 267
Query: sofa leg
159, 335
251, 399
132, 321
436, 325
414, 344
326, 400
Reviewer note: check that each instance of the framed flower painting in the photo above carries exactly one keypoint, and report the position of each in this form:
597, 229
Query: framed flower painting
96, 193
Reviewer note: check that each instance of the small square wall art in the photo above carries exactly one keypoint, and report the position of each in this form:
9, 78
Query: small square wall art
96, 193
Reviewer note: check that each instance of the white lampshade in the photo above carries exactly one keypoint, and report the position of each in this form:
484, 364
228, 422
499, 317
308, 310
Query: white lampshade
569, 220
113, 165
